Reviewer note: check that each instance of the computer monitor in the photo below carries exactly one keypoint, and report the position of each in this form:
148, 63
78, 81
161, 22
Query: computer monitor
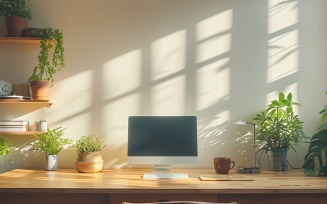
162, 140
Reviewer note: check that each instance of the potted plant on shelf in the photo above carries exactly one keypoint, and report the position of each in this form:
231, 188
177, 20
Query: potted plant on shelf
17, 14
279, 130
42, 125
4, 147
315, 161
89, 157
51, 143
42, 77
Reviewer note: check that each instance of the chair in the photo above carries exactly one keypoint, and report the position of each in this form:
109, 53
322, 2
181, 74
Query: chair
180, 202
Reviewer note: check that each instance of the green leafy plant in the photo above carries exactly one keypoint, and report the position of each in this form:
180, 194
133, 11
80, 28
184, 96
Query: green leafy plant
49, 64
315, 161
90, 143
279, 127
323, 119
316, 153
15, 8
52, 141
4, 147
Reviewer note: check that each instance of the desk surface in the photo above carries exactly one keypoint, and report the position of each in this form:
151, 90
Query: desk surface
129, 181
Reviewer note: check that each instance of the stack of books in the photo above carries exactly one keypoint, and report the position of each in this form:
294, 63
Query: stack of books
13, 126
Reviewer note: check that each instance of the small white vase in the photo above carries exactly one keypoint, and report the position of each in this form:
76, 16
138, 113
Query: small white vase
51, 162
43, 126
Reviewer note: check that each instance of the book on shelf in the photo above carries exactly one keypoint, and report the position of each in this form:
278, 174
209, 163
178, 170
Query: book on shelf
14, 123
22, 128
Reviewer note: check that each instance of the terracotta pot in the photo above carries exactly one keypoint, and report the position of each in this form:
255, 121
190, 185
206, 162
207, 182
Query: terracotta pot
39, 90
15, 26
89, 162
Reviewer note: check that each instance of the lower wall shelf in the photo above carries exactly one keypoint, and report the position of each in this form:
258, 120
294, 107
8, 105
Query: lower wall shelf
20, 133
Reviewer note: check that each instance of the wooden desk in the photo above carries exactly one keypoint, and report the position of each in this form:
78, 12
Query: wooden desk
116, 186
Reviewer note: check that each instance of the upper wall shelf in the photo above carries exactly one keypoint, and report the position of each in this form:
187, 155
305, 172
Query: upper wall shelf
20, 40
11, 109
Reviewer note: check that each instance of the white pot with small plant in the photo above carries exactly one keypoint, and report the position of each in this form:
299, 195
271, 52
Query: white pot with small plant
51, 143
42, 125
89, 157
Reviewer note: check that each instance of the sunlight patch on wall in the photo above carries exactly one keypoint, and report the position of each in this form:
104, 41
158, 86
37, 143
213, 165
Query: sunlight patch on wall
77, 113
211, 134
213, 84
168, 98
168, 55
114, 119
122, 74
282, 14
283, 54
79, 95
214, 36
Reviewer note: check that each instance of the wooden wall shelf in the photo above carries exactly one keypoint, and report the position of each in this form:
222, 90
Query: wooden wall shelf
19, 40
20, 133
11, 109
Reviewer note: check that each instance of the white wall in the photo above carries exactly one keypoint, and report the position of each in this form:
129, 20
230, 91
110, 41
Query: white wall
222, 60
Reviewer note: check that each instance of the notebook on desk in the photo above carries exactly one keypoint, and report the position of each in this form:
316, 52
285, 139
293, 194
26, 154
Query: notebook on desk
225, 177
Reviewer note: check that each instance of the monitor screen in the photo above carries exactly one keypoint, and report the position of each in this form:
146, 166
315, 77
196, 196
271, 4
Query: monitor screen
162, 140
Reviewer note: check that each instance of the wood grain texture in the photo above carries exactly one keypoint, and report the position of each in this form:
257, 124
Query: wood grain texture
129, 180
116, 186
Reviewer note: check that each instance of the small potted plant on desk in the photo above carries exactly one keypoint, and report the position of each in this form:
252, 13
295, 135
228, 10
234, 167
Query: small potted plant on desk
279, 130
89, 157
42, 77
51, 143
4, 147
17, 14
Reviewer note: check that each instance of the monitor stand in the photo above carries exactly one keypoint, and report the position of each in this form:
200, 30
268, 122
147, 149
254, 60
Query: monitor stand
164, 172
162, 168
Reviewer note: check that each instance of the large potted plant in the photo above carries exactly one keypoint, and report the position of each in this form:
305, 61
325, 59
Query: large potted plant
280, 129
48, 64
17, 14
315, 161
4, 147
89, 157
51, 143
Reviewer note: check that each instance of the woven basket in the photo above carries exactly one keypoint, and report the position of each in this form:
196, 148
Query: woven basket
89, 167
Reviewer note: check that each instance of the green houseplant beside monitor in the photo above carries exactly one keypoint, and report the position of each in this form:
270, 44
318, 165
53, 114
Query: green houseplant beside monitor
280, 129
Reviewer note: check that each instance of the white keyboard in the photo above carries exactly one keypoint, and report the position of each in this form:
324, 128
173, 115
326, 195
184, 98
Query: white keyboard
154, 176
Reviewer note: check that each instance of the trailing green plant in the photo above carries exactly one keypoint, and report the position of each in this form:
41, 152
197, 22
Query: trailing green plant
279, 127
315, 161
4, 147
15, 8
49, 65
90, 143
52, 141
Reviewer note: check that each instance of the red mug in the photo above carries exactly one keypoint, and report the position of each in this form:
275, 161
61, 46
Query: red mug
223, 164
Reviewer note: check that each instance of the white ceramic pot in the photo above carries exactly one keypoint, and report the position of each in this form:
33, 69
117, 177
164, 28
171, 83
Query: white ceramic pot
43, 126
51, 162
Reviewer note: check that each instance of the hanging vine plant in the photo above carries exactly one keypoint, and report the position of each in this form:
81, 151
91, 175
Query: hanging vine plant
49, 64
